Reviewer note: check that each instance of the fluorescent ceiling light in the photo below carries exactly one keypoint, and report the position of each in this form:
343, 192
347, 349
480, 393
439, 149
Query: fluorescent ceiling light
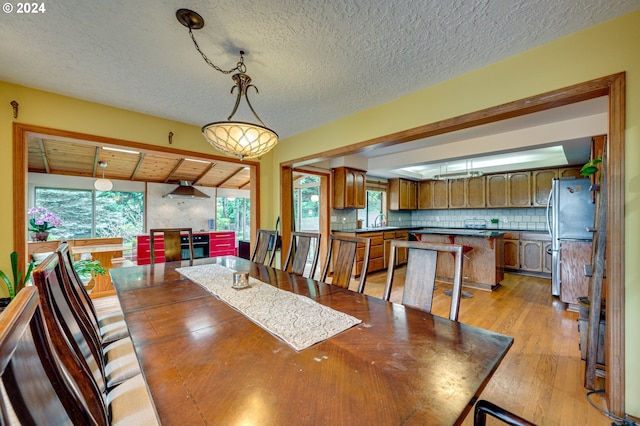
128, 151
197, 161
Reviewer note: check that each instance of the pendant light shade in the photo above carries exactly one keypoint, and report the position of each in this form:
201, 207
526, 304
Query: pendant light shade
239, 138
103, 184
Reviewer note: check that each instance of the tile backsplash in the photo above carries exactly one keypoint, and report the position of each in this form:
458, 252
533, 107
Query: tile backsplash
529, 219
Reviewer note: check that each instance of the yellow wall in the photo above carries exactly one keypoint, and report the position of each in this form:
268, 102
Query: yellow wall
598, 51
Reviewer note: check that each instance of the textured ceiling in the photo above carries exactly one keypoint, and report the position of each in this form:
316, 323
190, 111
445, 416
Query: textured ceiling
313, 62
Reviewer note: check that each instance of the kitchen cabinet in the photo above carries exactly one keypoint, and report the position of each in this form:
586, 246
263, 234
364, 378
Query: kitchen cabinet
512, 251
349, 188
433, 194
401, 252
569, 172
541, 186
402, 194
546, 254
221, 243
457, 193
531, 256
574, 255
475, 192
508, 190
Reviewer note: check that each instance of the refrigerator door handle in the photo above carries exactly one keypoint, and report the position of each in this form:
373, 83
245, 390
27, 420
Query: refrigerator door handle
549, 212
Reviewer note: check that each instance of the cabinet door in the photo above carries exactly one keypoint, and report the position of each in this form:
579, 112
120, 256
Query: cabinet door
519, 189
497, 190
457, 193
401, 256
569, 172
413, 195
531, 256
511, 254
475, 192
425, 195
541, 186
573, 256
440, 194
407, 196
360, 189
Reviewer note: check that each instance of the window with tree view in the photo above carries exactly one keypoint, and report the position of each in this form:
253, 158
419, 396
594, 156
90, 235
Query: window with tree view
89, 214
375, 208
234, 214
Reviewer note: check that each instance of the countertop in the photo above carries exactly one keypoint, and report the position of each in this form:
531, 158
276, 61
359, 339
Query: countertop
483, 233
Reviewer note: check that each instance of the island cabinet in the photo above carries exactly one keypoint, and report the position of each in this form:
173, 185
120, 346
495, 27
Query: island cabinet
483, 265
509, 190
402, 194
433, 195
401, 252
349, 188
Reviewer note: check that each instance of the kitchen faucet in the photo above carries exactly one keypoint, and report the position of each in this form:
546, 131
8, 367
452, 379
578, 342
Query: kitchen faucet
382, 221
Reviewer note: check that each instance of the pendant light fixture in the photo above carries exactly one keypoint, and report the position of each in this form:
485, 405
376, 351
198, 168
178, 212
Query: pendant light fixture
239, 138
103, 184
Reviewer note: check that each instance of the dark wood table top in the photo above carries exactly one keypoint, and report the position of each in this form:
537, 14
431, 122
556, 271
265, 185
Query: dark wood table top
206, 363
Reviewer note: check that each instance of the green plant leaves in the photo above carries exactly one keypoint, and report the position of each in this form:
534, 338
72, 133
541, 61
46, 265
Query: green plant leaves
591, 168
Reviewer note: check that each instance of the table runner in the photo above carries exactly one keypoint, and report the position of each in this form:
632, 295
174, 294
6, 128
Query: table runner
297, 320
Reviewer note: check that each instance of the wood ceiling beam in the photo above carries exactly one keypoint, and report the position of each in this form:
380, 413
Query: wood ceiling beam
168, 178
203, 174
43, 153
231, 176
244, 185
137, 167
96, 160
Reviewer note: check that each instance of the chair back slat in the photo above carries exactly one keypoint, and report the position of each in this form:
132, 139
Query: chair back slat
78, 354
341, 256
36, 389
266, 244
172, 243
298, 256
421, 274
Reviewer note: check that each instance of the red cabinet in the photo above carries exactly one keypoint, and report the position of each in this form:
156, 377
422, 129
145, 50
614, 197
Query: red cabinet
221, 243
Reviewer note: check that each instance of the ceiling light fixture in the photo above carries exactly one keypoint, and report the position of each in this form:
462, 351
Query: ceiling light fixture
239, 138
463, 174
103, 184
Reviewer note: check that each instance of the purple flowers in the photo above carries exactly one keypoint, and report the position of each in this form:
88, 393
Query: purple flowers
41, 219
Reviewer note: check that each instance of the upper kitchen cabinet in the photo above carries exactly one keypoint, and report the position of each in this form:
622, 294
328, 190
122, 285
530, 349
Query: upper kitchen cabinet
541, 185
509, 190
403, 194
349, 188
475, 192
433, 194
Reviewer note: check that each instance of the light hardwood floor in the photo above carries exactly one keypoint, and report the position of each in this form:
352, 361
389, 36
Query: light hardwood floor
541, 377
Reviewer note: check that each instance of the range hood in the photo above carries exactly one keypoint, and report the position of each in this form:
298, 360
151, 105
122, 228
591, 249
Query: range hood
186, 190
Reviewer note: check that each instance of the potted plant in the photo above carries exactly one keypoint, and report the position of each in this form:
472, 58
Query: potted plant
41, 221
18, 282
86, 269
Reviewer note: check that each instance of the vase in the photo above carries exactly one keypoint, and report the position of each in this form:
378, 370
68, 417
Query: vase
41, 236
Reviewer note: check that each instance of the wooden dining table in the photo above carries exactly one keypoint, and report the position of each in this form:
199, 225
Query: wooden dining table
207, 363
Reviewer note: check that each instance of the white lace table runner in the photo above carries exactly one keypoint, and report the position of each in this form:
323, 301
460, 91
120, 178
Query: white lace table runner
297, 320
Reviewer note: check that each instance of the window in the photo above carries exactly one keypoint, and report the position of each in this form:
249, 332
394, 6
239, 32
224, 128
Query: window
376, 208
306, 203
234, 214
89, 214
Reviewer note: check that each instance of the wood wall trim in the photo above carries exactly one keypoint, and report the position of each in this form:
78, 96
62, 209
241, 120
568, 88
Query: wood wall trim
20, 169
614, 87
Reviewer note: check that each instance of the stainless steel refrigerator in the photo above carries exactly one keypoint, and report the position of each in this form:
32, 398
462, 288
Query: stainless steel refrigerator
570, 213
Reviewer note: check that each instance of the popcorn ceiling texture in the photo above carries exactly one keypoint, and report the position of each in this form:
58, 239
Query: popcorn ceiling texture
314, 62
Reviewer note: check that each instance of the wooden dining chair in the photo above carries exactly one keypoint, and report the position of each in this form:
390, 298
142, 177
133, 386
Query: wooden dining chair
266, 241
110, 326
172, 243
299, 247
341, 258
37, 391
109, 365
484, 408
112, 394
420, 275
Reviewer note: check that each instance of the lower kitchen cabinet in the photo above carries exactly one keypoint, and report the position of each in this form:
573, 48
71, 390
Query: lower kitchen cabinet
527, 252
574, 255
221, 243
512, 253
379, 249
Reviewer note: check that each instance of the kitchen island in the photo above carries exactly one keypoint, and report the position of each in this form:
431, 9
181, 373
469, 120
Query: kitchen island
483, 265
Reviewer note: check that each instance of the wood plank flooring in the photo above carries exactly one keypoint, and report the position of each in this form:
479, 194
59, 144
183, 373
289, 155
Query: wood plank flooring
541, 378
